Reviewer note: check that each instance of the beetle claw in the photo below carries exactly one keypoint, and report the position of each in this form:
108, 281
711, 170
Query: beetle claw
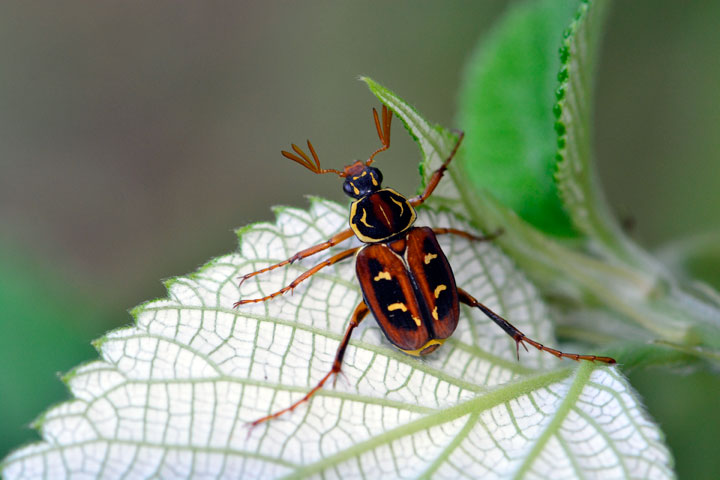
519, 341
340, 373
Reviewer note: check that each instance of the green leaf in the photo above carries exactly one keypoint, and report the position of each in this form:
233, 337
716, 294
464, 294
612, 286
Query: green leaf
610, 271
172, 394
506, 110
684, 317
575, 175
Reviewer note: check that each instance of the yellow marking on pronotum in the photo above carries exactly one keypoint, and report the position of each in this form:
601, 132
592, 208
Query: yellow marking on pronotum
372, 176
355, 189
382, 276
399, 204
432, 342
363, 219
429, 257
439, 289
397, 306
434, 314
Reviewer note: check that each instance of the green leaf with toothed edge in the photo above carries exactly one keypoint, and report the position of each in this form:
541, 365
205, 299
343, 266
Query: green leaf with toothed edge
505, 106
171, 395
575, 174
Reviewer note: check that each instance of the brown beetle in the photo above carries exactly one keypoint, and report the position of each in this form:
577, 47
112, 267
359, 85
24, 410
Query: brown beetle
406, 280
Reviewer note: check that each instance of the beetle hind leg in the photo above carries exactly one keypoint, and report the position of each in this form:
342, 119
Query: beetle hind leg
520, 338
358, 315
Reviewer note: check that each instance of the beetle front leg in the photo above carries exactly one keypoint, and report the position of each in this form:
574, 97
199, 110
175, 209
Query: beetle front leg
358, 315
340, 237
520, 337
436, 176
330, 261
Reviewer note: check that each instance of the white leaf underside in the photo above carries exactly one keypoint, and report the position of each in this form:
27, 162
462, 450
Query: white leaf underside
172, 395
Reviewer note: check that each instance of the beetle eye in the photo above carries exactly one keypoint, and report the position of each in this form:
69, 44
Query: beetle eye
348, 189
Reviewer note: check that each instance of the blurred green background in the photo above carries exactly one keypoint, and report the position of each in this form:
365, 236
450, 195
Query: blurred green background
136, 136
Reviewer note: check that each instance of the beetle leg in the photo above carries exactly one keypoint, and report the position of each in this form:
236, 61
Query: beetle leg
358, 315
437, 175
520, 337
468, 235
340, 237
330, 261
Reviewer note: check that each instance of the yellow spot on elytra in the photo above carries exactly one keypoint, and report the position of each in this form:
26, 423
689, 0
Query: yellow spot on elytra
439, 289
429, 257
417, 320
402, 209
363, 219
434, 314
397, 306
382, 276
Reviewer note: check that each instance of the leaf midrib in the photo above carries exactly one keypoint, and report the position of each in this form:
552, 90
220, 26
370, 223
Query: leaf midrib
495, 397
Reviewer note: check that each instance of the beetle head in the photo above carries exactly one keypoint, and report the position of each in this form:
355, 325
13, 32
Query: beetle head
361, 179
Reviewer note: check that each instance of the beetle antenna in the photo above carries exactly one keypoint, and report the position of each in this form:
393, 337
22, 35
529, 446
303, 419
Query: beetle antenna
383, 131
301, 157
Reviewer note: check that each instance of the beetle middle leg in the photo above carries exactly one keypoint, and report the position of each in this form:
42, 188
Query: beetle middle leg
468, 235
358, 315
340, 237
330, 261
521, 338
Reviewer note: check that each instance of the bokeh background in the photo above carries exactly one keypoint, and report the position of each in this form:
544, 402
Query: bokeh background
135, 136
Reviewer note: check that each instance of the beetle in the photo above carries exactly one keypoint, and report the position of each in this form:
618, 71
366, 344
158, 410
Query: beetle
406, 280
